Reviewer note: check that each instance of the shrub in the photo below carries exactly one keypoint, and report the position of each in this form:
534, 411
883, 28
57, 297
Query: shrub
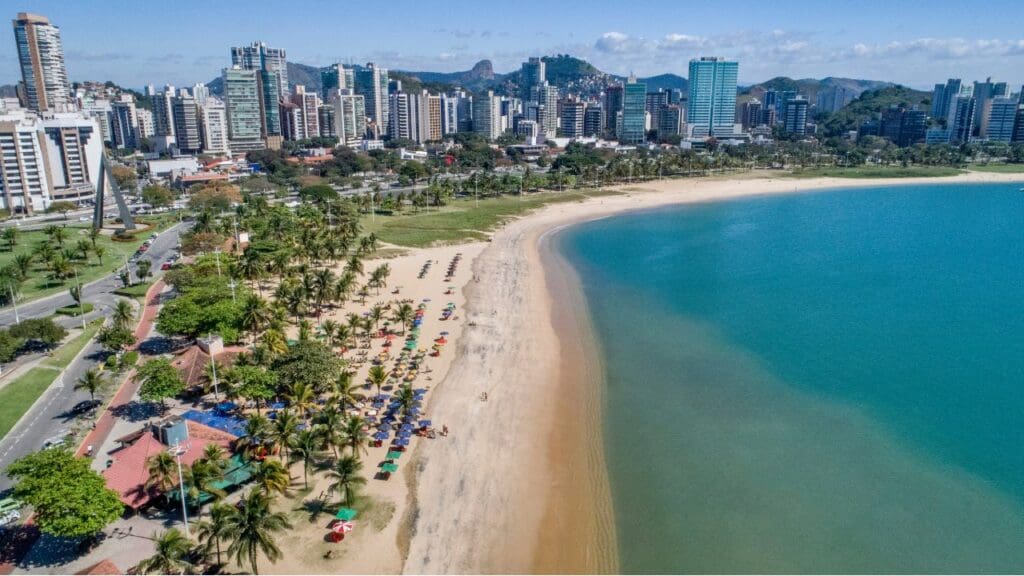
75, 310
130, 358
111, 362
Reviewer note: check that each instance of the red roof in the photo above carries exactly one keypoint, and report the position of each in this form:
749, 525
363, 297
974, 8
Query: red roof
204, 177
127, 475
192, 363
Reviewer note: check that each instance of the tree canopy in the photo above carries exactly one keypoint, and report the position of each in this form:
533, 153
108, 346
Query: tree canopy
70, 500
310, 363
160, 380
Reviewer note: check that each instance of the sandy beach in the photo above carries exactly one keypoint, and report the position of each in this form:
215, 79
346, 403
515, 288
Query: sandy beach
520, 486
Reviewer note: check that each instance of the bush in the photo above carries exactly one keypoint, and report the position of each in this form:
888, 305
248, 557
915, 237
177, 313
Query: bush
75, 310
111, 362
42, 330
130, 358
123, 236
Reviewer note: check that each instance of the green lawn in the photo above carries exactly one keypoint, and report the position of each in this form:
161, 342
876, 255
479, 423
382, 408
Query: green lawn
137, 290
998, 168
462, 220
39, 283
18, 396
878, 172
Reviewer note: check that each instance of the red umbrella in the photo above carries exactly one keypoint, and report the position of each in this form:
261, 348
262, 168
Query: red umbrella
441, 340
342, 527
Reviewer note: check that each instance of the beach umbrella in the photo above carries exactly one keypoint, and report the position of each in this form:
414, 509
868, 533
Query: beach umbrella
342, 527
401, 442
392, 455
406, 427
444, 333
425, 422
346, 514
382, 435
390, 467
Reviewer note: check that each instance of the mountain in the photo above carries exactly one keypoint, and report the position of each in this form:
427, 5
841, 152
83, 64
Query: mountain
810, 87
481, 76
870, 104
666, 82
308, 76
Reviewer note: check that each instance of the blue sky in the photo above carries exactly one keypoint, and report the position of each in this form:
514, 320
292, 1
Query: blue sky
185, 41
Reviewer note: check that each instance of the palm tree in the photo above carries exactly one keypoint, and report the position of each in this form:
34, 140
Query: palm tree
92, 381
354, 265
256, 315
162, 471
23, 262
302, 397
406, 398
283, 429
403, 314
376, 314
330, 421
211, 532
253, 528
341, 335
345, 392
202, 476
347, 479
215, 454
305, 445
275, 341
171, 557
123, 314
378, 375
11, 237
355, 436
379, 277
257, 429
323, 288
271, 476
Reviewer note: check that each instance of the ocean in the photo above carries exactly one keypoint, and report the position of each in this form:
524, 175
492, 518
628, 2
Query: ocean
817, 382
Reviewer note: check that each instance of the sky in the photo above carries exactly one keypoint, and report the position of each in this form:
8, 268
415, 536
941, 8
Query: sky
183, 42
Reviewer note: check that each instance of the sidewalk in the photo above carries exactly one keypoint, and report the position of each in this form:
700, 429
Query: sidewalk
129, 387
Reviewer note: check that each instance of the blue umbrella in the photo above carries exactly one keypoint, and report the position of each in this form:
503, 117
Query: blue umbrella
401, 442
425, 423
380, 436
406, 426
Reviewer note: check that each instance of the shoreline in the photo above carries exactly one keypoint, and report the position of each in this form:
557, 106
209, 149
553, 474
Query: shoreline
495, 499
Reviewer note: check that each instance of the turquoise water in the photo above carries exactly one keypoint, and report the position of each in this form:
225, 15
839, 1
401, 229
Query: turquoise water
827, 382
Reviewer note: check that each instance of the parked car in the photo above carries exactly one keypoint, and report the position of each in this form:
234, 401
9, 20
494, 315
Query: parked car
165, 266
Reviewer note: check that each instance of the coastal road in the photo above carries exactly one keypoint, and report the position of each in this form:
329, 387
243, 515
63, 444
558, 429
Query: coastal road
49, 415
99, 292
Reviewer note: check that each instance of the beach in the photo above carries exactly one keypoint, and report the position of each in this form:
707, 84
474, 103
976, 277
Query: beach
501, 495
519, 485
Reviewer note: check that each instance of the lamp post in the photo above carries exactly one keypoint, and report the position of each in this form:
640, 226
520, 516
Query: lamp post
81, 306
232, 285
213, 366
14, 302
178, 450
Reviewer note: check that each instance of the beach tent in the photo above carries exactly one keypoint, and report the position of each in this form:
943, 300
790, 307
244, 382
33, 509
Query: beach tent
389, 467
346, 514
392, 455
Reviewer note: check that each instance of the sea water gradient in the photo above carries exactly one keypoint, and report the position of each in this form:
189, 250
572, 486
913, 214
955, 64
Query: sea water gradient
821, 382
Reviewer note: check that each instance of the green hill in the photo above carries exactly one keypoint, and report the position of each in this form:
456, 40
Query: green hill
870, 105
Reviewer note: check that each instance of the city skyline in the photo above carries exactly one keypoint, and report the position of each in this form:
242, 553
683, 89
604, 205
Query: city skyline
910, 45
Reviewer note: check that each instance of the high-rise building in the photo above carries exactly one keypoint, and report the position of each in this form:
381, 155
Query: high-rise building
711, 108
527, 129
99, 110
259, 56
123, 125
45, 160
187, 134
325, 120
796, 116
983, 94
962, 113
487, 115
670, 121
593, 120
269, 88
372, 83
944, 96
1018, 125
914, 127
310, 104
244, 105
44, 79
655, 100
1002, 118
214, 125
200, 92
349, 116
293, 124
573, 112
752, 115
546, 96
612, 106
634, 112
72, 149
333, 77
433, 117
144, 123
834, 98
533, 74
163, 112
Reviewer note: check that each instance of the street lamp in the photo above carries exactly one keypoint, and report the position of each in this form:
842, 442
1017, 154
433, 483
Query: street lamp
14, 302
177, 450
81, 306
232, 285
